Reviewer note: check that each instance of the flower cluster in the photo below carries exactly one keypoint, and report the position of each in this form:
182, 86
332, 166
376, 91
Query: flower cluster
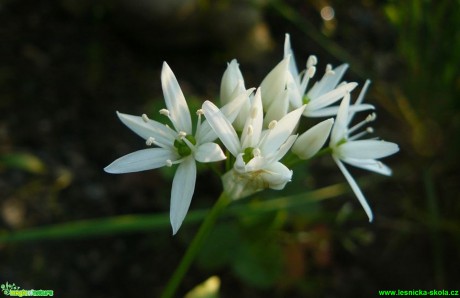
257, 127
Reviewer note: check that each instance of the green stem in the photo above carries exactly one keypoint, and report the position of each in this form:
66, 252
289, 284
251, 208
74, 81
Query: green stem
291, 160
195, 246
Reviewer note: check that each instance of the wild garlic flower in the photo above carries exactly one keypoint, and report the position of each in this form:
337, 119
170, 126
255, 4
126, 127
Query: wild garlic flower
359, 153
257, 151
324, 93
175, 145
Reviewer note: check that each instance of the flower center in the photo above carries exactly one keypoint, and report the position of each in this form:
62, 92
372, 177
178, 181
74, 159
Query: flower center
306, 100
341, 142
248, 154
182, 148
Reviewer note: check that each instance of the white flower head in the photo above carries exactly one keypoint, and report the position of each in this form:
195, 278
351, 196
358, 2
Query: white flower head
324, 92
175, 145
257, 151
359, 153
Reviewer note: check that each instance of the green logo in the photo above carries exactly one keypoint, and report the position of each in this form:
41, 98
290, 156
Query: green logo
14, 290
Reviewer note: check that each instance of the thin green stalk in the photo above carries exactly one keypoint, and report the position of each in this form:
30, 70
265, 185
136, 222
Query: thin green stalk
292, 160
195, 246
97, 227
125, 224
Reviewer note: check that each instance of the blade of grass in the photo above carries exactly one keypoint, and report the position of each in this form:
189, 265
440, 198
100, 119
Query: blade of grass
96, 227
124, 224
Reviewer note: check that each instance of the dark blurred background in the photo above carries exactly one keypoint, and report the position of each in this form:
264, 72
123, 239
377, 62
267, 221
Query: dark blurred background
65, 68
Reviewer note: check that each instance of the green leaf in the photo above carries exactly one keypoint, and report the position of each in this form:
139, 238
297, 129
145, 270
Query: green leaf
219, 248
22, 161
258, 263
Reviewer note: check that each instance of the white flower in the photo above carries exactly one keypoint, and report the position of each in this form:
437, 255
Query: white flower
176, 145
324, 93
359, 153
257, 151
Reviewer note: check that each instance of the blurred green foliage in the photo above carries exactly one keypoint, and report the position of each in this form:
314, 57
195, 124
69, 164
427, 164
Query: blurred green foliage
428, 43
22, 161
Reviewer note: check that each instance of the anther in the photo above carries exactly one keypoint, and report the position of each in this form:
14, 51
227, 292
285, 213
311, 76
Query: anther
145, 118
164, 112
311, 71
150, 141
199, 112
256, 152
329, 70
272, 124
370, 130
312, 60
169, 163
182, 134
371, 117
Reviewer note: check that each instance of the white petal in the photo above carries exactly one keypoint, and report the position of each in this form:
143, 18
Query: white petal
311, 141
175, 101
339, 131
274, 82
146, 159
294, 93
230, 80
358, 100
332, 111
209, 152
240, 165
222, 127
369, 164
367, 149
327, 82
242, 108
254, 120
278, 109
255, 164
283, 129
231, 111
288, 52
161, 133
332, 81
326, 99
182, 191
276, 175
354, 186
277, 155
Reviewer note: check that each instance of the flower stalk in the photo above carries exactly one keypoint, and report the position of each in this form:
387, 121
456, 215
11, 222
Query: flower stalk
222, 202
